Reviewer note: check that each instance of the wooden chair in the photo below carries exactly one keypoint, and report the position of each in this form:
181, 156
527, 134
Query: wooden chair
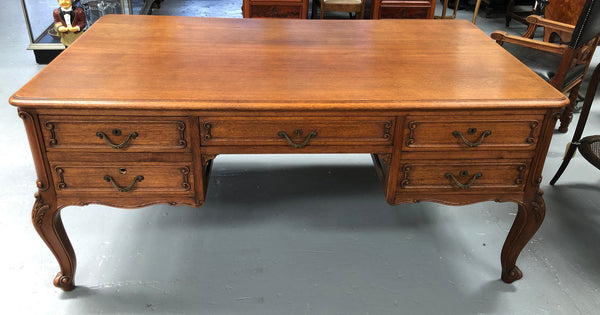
564, 11
519, 9
357, 6
453, 16
589, 147
563, 65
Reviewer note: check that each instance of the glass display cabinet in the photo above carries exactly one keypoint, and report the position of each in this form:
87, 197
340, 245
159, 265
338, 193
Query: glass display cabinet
45, 40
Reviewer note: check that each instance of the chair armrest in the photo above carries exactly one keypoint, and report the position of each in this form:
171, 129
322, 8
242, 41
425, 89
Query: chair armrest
534, 21
540, 21
503, 37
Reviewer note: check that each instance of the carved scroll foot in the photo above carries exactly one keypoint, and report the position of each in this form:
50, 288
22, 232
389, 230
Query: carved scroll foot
512, 275
64, 282
47, 222
529, 218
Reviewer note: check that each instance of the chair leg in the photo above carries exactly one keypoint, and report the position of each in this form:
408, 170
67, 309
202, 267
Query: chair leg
567, 114
509, 8
476, 10
566, 160
585, 112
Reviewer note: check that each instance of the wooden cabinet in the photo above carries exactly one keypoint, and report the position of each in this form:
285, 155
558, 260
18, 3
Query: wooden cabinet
403, 9
294, 9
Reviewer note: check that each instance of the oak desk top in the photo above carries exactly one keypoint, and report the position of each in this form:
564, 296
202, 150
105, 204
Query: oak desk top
260, 64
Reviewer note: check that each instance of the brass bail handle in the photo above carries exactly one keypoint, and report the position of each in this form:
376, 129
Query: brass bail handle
116, 132
467, 185
283, 134
109, 179
459, 134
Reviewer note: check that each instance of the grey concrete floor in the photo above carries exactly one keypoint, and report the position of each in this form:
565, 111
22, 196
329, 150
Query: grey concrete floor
296, 234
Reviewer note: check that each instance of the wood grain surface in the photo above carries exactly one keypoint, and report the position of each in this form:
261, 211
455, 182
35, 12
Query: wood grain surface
252, 64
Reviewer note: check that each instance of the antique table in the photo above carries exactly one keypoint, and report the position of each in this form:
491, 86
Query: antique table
149, 101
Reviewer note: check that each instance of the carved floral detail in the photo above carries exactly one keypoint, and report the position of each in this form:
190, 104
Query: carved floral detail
39, 210
583, 54
538, 207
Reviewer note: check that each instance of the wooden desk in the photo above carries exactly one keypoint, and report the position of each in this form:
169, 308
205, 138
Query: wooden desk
440, 106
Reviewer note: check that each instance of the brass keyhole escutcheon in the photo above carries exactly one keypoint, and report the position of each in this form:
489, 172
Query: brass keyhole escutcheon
463, 173
471, 131
123, 171
116, 132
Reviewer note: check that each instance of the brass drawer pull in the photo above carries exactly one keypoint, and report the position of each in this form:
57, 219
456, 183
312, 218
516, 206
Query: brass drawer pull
109, 179
102, 135
459, 134
283, 134
464, 186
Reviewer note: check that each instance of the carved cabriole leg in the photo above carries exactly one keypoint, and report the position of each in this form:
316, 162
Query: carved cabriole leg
46, 213
532, 208
529, 218
48, 223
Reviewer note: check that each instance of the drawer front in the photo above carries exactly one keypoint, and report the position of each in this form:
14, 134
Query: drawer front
123, 179
276, 11
298, 132
457, 133
111, 134
469, 176
394, 12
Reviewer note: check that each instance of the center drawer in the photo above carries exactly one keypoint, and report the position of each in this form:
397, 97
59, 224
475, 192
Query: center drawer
297, 132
